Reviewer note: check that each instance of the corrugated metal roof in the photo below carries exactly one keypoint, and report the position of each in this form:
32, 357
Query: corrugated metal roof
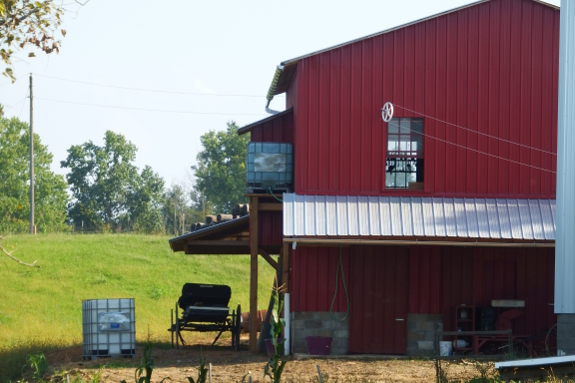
472, 218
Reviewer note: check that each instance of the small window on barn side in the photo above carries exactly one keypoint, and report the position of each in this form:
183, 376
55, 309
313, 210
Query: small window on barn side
404, 160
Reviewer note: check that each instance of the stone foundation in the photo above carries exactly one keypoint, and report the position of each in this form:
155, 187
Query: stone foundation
319, 324
421, 330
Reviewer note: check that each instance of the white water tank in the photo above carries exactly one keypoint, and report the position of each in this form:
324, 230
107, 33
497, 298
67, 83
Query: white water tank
108, 328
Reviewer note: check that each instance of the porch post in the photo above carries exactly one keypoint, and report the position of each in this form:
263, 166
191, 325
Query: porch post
253, 273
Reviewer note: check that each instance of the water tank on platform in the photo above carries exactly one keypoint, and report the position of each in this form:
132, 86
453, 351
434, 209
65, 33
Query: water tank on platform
108, 328
269, 165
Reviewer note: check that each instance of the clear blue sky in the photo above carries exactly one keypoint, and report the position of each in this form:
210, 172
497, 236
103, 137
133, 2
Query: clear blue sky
207, 47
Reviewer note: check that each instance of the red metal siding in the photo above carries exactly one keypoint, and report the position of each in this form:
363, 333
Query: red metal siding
270, 228
476, 276
277, 130
424, 280
312, 282
491, 68
378, 295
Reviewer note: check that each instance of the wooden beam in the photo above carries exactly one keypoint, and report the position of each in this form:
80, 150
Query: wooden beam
219, 243
267, 206
285, 266
253, 344
268, 258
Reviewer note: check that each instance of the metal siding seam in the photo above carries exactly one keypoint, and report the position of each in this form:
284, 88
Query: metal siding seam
427, 210
352, 215
309, 215
482, 218
552, 205
320, 215
471, 215
385, 213
450, 220
548, 224
406, 216
417, 216
287, 215
536, 219
342, 218
460, 219
525, 216
331, 215
396, 223
493, 218
510, 217
439, 217
374, 214
363, 216
298, 215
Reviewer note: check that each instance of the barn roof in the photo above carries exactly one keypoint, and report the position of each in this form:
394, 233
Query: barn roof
286, 69
427, 218
253, 125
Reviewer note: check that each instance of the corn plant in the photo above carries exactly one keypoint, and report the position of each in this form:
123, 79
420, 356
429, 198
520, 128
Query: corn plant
202, 372
143, 373
39, 365
275, 365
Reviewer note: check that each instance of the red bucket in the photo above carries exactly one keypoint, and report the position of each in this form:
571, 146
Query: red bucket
318, 345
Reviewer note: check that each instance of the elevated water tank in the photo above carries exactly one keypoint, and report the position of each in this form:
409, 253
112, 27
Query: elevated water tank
108, 328
269, 165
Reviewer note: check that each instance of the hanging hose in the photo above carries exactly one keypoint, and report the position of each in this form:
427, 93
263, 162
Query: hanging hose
273, 195
339, 267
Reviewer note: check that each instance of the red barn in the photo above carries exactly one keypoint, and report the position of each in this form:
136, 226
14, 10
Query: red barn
450, 203
391, 226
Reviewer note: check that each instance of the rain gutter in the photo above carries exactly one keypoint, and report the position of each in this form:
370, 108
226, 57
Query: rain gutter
272, 90
385, 242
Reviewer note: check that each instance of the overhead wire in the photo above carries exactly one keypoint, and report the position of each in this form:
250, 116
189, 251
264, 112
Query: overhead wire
477, 150
148, 110
477, 132
150, 90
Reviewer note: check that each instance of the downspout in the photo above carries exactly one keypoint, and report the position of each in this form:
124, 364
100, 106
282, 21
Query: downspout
272, 90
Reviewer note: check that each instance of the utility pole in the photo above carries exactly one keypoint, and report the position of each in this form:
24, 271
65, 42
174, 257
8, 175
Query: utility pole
32, 226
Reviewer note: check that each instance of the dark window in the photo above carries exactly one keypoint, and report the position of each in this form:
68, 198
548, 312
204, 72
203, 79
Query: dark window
404, 160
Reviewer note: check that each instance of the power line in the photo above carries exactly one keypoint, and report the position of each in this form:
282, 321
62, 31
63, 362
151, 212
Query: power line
8, 83
478, 151
150, 90
149, 110
477, 132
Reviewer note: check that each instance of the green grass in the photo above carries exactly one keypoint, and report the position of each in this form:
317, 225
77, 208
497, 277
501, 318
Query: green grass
41, 308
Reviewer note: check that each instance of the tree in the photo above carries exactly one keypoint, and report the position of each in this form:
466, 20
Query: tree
177, 213
31, 22
49, 189
108, 192
221, 170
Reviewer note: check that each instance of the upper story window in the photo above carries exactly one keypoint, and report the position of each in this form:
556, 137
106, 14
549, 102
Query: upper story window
404, 159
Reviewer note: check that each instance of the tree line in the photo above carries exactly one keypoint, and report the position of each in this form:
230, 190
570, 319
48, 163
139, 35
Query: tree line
103, 191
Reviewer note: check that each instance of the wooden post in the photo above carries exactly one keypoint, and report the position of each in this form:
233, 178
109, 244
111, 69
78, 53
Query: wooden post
253, 273
285, 267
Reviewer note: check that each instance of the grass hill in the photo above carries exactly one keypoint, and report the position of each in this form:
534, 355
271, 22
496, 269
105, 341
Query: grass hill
41, 308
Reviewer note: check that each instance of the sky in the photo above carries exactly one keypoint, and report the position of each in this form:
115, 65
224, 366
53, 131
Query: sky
203, 64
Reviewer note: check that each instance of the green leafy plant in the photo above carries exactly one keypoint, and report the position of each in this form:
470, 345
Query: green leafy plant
275, 365
39, 365
143, 373
202, 372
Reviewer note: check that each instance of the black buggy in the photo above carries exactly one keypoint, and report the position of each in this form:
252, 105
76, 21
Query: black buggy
205, 308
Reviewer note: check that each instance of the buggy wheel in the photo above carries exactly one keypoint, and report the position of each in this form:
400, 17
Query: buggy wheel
237, 328
551, 341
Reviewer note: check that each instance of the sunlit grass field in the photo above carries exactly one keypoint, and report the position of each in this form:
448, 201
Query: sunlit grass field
41, 308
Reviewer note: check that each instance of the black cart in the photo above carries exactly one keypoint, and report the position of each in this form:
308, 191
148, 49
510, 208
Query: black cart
205, 309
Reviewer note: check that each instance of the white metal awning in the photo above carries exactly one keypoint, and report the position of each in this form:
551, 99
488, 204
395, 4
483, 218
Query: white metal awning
464, 218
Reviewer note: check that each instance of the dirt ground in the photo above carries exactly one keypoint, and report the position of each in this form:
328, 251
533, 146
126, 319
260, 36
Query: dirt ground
234, 366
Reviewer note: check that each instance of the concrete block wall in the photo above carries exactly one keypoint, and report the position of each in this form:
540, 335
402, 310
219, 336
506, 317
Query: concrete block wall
319, 324
421, 330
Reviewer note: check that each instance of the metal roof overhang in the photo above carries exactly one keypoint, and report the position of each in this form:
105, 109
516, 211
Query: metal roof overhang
363, 220
224, 238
